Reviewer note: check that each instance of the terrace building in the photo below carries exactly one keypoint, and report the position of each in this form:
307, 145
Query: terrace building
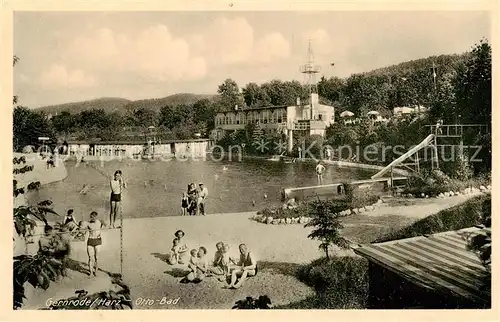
312, 118
405, 110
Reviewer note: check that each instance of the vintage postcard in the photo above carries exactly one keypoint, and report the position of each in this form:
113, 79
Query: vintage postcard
234, 156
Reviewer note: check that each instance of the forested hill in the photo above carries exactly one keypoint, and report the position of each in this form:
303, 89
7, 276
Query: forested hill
406, 84
108, 104
121, 105
445, 62
173, 100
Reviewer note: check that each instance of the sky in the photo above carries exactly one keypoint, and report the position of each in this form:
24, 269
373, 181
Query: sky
76, 56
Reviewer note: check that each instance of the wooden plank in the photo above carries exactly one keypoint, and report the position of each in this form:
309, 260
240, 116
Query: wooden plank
431, 254
451, 250
470, 256
418, 259
410, 272
433, 274
447, 256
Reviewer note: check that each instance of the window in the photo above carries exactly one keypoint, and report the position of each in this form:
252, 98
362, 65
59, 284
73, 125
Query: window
237, 118
280, 116
320, 117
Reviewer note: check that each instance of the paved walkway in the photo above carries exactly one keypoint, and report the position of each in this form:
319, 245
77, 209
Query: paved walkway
279, 248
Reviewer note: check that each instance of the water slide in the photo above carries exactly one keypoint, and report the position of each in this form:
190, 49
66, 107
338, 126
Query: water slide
426, 142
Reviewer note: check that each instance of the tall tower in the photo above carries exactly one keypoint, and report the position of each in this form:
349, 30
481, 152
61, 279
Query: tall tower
310, 70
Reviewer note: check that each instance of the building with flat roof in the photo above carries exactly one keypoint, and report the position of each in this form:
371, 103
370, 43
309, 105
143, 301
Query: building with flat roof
312, 118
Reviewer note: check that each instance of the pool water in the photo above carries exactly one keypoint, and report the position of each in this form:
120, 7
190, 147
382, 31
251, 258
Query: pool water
155, 187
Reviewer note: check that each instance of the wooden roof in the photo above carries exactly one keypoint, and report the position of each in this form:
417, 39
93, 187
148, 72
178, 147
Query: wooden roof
134, 142
439, 261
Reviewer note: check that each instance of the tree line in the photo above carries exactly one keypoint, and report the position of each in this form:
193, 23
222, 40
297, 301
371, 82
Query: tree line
460, 92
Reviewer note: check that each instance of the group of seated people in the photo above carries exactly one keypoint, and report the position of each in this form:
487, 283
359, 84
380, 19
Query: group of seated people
223, 266
57, 243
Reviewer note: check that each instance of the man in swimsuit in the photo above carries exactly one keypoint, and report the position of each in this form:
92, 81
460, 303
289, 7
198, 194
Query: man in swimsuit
247, 267
94, 241
117, 185
46, 243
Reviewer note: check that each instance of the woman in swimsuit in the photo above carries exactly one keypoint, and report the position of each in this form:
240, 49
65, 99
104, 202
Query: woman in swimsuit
193, 199
117, 185
181, 248
94, 240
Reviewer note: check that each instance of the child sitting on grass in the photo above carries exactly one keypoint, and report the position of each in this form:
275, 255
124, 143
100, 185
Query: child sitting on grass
193, 267
198, 266
193, 261
225, 263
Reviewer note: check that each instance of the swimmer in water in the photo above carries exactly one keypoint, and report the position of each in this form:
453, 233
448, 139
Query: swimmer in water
85, 189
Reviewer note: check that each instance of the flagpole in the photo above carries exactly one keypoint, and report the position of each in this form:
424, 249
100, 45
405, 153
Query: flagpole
434, 75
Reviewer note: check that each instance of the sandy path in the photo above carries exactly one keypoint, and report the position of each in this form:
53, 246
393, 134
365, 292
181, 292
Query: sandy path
280, 250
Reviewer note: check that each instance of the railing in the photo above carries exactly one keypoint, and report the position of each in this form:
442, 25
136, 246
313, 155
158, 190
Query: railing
455, 130
302, 125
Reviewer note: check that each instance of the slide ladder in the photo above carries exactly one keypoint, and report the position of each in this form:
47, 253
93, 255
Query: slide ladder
425, 143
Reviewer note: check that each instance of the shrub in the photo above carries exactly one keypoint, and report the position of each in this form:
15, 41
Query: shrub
263, 302
339, 282
481, 243
462, 216
325, 220
102, 300
436, 182
38, 270
462, 169
357, 198
354, 198
439, 177
280, 212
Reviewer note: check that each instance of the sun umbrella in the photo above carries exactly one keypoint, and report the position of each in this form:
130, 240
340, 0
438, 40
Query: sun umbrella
346, 113
373, 113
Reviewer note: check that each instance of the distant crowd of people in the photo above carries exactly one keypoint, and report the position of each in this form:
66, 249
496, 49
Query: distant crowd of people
233, 272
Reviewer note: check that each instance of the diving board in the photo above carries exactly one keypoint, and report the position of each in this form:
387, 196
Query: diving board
425, 143
332, 187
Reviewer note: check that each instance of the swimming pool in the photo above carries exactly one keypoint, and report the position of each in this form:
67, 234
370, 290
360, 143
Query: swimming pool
155, 187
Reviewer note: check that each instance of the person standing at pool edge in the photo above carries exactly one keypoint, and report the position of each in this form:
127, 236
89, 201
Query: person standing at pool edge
201, 198
117, 185
319, 172
94, 240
